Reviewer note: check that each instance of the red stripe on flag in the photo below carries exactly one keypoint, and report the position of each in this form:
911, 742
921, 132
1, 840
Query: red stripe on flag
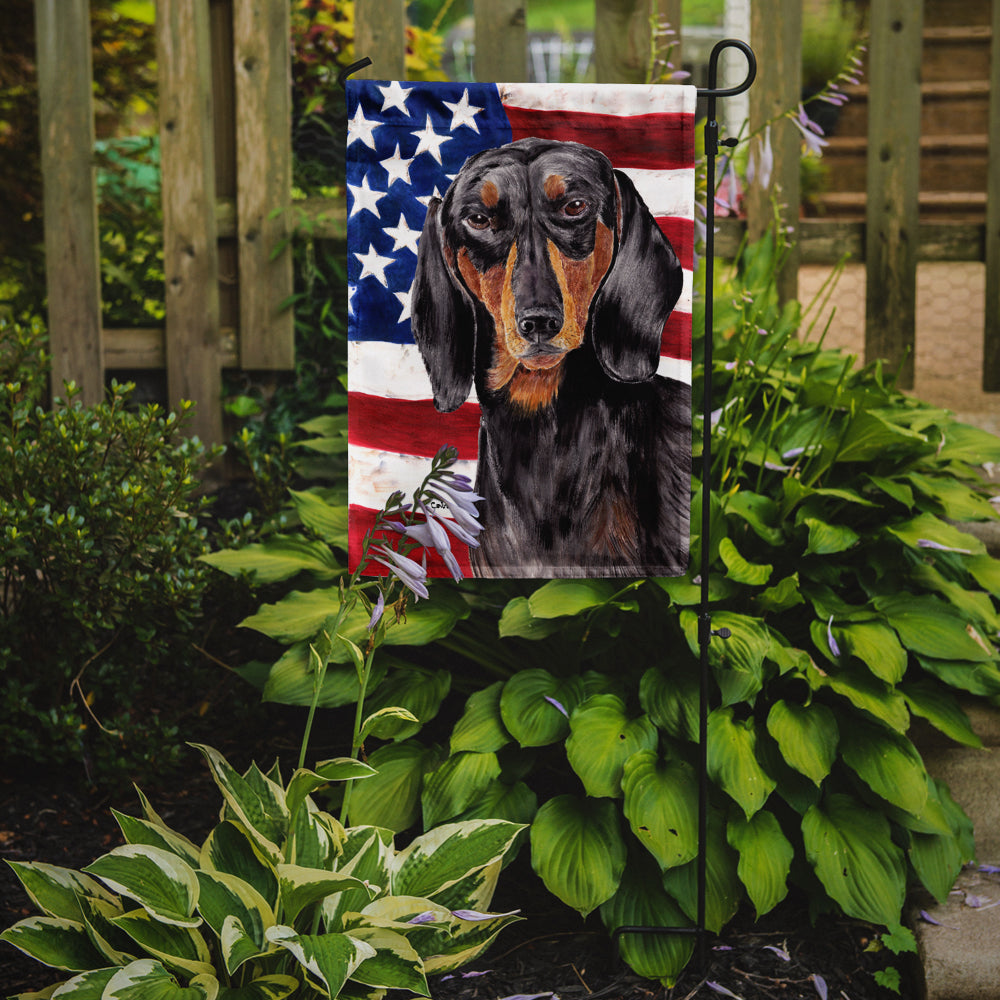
362, 519
680, 233
651, 142
411, 426
675, 342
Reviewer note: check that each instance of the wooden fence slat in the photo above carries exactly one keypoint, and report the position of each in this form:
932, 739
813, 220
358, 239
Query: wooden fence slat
72, 255
776, 36
892, 216
501, 41
622, 40
190, 252
380, 34
991, 332
262, 60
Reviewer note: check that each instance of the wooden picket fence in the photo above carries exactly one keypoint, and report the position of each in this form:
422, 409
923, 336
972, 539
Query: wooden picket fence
226, 161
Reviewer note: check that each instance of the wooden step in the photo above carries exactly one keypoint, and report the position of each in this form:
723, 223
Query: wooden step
956, 53
945, 104
939, 13
957, 206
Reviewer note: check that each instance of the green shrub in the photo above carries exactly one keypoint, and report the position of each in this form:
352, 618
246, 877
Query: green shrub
280, 899
99, 541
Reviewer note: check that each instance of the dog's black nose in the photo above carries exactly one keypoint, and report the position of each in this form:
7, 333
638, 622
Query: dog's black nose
539, 325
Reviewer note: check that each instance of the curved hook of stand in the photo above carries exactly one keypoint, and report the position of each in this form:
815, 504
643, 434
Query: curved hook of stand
353, 68
712, 90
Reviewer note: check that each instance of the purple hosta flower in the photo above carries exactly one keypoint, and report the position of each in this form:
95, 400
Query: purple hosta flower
780, 952
461, 504
531, 996
811, 132
427, 917
411, 573
475, 915
990, 869
727, 197
927, 918
552, 701
820, 983
834, 648
377, 612
431, 535
761, 164
465, 975
927, 543
719, 988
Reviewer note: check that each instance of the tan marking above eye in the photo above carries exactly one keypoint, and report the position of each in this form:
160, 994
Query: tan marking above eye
489, 194
554, 186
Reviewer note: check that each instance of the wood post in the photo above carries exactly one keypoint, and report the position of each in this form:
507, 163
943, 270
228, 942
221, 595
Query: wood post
380, 34
991, 333
501, 41
622, 40
893, 184
72, 255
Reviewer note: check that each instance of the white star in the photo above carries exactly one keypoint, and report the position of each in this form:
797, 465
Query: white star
351, 289
395, 97
365, 197
426, 199
430, 141
397, 168
463, 113
404, 299
373, 264
403, 235
360, 128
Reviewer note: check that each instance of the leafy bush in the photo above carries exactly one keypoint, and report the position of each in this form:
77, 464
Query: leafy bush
855, 604
99, 539
279, 899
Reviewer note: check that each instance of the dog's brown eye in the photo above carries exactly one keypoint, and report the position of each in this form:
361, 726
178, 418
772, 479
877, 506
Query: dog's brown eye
575, 207
478, 221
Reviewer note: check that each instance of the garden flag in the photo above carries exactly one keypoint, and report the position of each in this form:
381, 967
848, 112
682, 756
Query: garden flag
520, 281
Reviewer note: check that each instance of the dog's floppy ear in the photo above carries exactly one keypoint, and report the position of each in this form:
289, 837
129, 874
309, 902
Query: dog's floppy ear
443, 318
640, 290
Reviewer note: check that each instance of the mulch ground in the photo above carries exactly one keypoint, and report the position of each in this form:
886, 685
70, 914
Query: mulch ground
551, 953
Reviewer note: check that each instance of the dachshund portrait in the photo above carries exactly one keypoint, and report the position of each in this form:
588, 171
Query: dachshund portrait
543, 278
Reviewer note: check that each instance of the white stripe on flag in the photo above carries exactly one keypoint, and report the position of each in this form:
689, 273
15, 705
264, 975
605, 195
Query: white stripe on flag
373, 476
667, 193
602, 99
675, 368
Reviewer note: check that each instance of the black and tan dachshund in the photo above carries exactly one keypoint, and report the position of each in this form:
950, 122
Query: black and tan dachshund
542, 276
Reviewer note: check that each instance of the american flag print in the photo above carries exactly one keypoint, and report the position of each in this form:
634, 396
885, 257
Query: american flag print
406, 143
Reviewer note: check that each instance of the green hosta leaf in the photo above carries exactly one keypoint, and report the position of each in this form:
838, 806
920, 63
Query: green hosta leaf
928, 528
279, 558
827, 539
325, 519
395, 964
159, 881
225, 897
438, 859
976, 605
391, 798
869, 436
292, 680
275, 987
783, 595
147, 979
723, 889
738, 661
929, 627
602, 738
661, 806
56, 891
876, 646
578, 851
304, 782
986, 571
671, 699
559, 598
456, 784
965, 443
865, 692
684, 592
758, 511
330, 959
517, 620
765, 858
516, 803
386, 723
418, 691
641, 901
180, 948
807, 736
54, 941
481, 728
301, 887
230, 849
941, 709
850, 847
976, 678
937, 858
888, 763
739, 569
732, 760
141, 831
899, 491
957, 501
260, 809
530, 706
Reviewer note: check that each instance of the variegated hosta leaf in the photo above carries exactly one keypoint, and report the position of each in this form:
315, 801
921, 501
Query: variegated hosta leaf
86, 986
158, 880
578, 851
661, 800
56, 891
765, 858
274, 987
850, 847
116, 946
456, 784
602, 737
315, 838
256, 801
304, 782
466, 941
476, 890
328, 959
225, 897
367, 853
642, 902
230, 849
395, 964
177, 947
535, 706
300, 887
807, 736
732, 760
441, 857
54, 941
141, 831
481, 727
147, 979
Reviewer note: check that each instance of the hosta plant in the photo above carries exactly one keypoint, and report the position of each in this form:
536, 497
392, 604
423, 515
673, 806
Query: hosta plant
279, 900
